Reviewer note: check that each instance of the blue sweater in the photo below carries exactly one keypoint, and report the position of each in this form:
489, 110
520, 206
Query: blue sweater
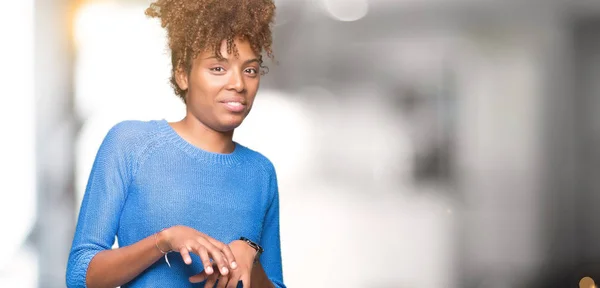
146, 177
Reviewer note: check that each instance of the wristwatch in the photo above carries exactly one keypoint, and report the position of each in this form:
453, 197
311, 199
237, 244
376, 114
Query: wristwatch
258, 248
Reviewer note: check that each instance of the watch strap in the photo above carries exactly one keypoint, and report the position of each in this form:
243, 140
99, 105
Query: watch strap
255, 246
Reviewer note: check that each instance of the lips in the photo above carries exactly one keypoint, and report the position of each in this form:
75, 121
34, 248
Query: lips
234, 104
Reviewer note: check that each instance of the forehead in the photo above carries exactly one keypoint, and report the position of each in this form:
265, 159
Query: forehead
243, 47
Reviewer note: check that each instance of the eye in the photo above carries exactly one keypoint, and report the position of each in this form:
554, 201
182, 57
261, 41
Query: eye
251, 71
217, 69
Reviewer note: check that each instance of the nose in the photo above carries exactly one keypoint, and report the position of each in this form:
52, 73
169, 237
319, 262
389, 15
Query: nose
236, 82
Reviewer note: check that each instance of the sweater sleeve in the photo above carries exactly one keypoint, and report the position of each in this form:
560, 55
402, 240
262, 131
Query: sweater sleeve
103, 200
270, 240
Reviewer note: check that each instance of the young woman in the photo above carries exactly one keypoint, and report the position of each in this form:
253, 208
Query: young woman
186, 187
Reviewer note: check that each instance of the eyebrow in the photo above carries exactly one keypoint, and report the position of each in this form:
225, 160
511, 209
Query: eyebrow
223, 59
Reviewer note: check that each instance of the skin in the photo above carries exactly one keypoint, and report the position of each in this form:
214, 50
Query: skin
115, 267
209, 125
210, 82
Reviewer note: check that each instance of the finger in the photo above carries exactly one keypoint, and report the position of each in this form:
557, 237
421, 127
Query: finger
198, 277
233, 280
216, 259
246, 281
222, 281
226, 250
212, 279
203, 253
185, 254
217, 256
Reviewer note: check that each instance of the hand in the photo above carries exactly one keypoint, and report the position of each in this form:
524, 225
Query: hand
185, 240
245, 257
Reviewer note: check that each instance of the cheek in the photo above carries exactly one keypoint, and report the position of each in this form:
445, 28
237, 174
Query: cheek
250, 98
252, 86
204, 91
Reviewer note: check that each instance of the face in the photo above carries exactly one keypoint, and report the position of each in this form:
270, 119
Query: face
220, 92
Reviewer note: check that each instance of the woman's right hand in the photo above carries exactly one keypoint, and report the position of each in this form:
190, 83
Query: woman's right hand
185, 240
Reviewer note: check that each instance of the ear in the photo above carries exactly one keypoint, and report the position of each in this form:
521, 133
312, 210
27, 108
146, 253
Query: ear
181, 77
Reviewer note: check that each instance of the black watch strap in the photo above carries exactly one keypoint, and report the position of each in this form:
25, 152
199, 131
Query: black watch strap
258, 248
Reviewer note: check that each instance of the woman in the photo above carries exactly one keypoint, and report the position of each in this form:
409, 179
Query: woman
187, 187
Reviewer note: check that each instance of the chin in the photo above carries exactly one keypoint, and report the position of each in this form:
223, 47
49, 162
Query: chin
227, 125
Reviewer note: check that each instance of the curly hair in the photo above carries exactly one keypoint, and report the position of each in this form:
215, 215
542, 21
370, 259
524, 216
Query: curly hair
196, 26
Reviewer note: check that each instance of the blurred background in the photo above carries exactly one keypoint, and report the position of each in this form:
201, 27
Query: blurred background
418, 143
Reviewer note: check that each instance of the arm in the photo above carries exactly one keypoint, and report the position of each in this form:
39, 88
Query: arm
260, 278
91, 262
269, 272
113, 268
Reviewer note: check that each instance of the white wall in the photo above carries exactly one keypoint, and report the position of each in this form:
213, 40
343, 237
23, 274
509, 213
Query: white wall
17, 150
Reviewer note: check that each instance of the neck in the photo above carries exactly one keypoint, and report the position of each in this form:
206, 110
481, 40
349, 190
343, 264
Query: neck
203, 137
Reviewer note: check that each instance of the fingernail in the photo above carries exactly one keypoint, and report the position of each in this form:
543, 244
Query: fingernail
209, 270
233, 265
225, 270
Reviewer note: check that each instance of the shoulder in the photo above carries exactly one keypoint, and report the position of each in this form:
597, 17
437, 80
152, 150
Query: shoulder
130, 132
131, 137
262, 164
127, 142
260, 160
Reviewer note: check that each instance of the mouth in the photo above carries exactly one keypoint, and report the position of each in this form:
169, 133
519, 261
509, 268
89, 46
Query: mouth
234, 106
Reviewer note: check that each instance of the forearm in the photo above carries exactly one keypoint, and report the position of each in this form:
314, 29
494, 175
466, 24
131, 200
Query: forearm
112, 268
260, 278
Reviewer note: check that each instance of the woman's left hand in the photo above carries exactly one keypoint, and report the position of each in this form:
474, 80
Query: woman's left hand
244, 255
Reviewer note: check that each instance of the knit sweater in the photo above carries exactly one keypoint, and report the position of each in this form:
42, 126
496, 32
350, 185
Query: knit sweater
146, 177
